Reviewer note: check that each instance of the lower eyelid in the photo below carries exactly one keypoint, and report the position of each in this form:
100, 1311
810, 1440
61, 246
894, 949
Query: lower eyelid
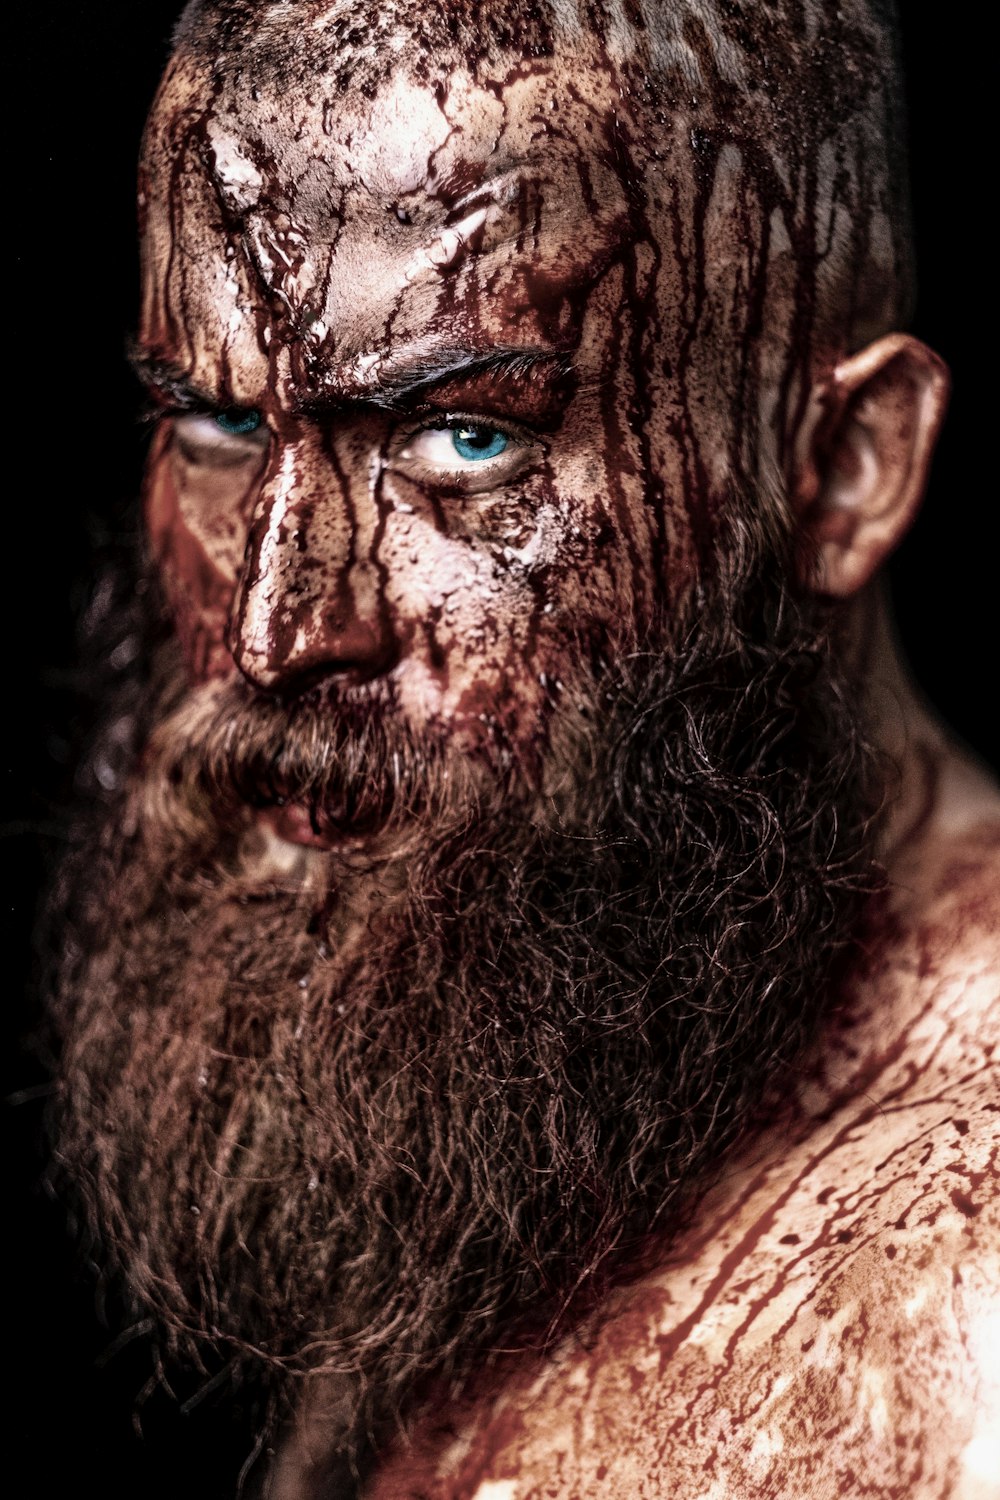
490, 478
201, 443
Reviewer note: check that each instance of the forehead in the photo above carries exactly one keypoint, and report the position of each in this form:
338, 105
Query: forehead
432, 196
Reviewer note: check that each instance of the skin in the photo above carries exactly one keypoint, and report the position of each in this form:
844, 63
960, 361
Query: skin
828, 1325
326, 254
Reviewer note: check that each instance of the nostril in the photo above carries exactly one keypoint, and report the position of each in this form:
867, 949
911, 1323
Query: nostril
352, 644
344, 669
346, 673
293, 653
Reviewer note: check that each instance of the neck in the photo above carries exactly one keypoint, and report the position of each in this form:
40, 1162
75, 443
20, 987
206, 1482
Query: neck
936, 789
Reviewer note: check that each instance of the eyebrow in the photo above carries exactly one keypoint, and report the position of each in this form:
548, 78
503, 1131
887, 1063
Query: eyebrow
162, 376
399, 381
395, 383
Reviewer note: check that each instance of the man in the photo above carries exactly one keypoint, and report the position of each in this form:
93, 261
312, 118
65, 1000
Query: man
526, 1005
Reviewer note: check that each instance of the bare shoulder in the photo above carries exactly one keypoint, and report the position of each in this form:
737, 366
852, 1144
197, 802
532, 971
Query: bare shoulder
830, 1327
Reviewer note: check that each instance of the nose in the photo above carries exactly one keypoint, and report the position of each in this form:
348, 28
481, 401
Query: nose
311, 599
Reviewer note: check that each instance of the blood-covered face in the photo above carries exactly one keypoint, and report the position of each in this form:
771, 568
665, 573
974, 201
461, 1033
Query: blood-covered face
476, 387
451, 391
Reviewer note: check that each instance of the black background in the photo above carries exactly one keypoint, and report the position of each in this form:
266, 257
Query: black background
85, 74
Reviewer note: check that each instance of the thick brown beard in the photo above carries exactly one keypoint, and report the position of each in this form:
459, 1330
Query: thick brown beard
381, 1147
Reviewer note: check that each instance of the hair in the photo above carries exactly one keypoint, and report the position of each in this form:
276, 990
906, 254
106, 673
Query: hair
448, 1140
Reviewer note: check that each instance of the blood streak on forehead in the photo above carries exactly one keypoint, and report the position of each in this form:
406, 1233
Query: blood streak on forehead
343, 231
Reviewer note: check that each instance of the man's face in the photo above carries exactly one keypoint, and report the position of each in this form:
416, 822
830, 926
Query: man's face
429, 459
457, 396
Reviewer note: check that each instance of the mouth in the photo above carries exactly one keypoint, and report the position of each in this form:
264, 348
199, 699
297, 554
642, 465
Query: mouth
302, 824
295, 824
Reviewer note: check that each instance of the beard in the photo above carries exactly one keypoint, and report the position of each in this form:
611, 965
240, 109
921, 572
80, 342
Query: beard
380, 1113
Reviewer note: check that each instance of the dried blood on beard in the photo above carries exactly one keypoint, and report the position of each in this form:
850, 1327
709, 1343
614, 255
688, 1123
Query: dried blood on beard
386, 1154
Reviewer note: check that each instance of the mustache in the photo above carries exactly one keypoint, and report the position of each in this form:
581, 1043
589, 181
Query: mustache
354, 764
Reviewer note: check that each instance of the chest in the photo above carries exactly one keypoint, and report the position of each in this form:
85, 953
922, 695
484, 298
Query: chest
835, 1295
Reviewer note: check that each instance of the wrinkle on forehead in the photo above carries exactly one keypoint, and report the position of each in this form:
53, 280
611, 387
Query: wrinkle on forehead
347, 215
417, 146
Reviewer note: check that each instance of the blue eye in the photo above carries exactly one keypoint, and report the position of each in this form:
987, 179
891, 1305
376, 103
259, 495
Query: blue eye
238, 420
475, 442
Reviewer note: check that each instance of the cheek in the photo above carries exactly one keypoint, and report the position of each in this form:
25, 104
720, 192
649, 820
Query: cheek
197, 534
504, 606
466, 619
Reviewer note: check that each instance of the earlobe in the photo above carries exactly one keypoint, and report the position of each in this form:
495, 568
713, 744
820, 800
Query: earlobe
863, 458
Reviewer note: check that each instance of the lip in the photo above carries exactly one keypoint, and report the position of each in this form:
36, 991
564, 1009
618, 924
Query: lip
293, 823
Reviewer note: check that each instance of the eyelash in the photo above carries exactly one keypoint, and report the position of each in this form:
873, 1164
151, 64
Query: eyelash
492, 474
157, 406
439, 421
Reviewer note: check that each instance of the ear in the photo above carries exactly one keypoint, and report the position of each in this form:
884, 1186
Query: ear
862, 457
